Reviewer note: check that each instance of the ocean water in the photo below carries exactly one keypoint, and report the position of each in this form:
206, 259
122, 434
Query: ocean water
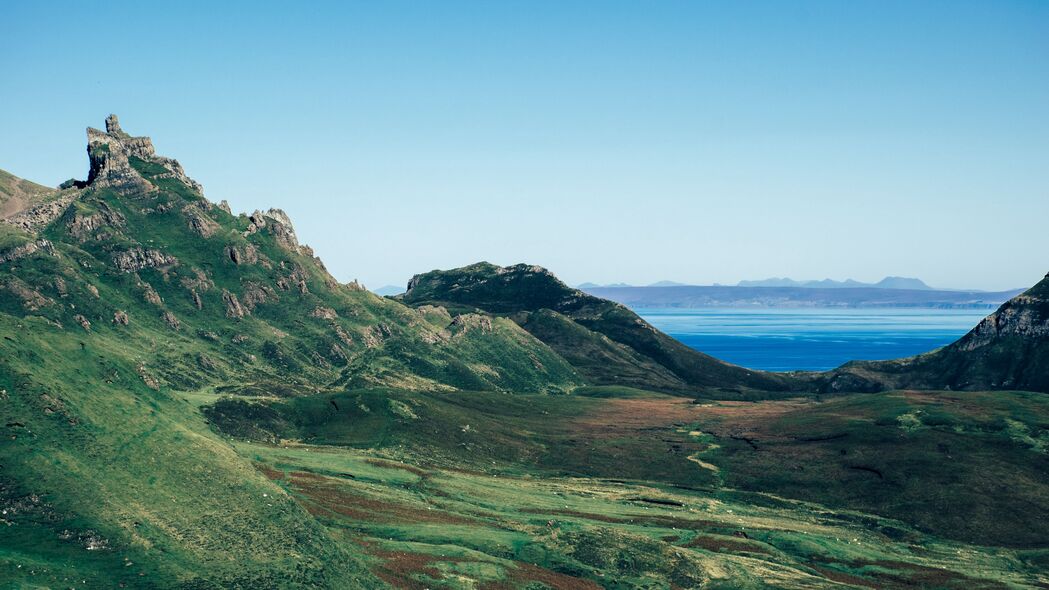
812, 339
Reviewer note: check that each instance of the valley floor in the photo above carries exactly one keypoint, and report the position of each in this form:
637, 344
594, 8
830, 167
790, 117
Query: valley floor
483, 522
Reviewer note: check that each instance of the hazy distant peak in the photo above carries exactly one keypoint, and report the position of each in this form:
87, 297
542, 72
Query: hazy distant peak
388, 290
901, 283
886, 283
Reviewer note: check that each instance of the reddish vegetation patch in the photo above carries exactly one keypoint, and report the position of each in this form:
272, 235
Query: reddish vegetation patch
843, 578
271, 474
619, 416
398, 567
723, 544
326, 497
526, 572
392, 465
747, 419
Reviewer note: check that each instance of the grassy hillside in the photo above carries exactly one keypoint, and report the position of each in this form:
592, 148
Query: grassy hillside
605, 341
142, 289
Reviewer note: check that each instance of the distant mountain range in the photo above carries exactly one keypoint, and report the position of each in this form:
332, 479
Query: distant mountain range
798, 296
387, 290
886, 283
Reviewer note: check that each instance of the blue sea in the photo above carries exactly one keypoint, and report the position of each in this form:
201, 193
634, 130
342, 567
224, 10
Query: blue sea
812, 339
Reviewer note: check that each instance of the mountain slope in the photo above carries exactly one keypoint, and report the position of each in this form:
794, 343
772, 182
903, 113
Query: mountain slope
1009, 349
132, 302
605, 341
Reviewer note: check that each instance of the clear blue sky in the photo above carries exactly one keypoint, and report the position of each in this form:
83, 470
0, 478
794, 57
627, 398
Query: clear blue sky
609, 141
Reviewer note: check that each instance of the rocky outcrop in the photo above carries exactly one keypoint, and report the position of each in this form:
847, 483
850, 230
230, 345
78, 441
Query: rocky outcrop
86, 325
277, 223
110, 153
375, 336
249, 254
171, 320
465, 323
31, 299
82, 227
27, 249
150, 294
256, 294
233, 307
120, 317
199, 221
1009, 349
44, 213
324, 313
137, 259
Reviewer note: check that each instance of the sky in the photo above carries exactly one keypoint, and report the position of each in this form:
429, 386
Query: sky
632, 142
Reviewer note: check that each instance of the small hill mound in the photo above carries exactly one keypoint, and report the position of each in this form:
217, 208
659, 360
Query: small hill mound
605, 341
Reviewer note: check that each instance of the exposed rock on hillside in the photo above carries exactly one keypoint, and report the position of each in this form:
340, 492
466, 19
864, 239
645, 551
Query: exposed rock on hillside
137, 259
27, 249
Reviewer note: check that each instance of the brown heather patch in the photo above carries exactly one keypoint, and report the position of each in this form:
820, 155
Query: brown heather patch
724, 545
392, 465
327, 496
398, 567
270, 473
617, 417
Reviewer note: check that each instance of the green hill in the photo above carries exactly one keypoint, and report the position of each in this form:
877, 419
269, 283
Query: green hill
604, 341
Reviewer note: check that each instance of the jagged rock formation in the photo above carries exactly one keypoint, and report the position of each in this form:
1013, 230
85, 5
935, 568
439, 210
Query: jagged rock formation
111, 152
